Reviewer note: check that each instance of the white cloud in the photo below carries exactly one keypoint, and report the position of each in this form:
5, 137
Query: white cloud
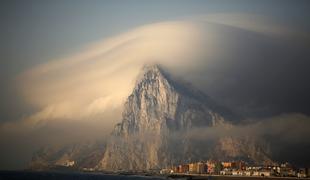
81, 95
100, 77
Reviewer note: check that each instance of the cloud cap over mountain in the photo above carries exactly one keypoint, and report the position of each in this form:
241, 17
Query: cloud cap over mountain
254, 71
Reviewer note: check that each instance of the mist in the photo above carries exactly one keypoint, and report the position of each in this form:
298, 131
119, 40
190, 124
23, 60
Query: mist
257, 71
282, 138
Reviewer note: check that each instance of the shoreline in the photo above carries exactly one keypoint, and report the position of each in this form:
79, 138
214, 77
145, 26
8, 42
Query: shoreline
95, 174
223, 177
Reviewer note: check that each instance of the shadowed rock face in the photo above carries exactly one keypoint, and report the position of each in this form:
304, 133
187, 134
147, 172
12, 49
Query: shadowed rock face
155, 114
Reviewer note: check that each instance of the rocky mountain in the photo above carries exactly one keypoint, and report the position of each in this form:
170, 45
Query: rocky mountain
157, 117
164, 122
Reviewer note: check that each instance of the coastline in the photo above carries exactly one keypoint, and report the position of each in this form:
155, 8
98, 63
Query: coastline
222, 177
68, 175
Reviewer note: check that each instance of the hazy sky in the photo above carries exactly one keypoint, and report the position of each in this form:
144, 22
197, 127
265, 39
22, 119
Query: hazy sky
42, 30
34, 32
60, 60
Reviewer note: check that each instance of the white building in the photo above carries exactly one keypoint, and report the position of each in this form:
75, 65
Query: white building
262, 173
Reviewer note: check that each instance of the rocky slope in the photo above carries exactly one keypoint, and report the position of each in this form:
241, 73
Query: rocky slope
164, 122
157, 117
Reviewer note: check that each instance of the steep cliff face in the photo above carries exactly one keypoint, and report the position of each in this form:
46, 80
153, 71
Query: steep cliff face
164, 122
155, 114
157, 103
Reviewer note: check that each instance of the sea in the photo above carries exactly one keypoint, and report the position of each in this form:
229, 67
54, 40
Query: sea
32, 175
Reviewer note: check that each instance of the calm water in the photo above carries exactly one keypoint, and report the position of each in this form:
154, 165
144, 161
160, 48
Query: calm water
24, 175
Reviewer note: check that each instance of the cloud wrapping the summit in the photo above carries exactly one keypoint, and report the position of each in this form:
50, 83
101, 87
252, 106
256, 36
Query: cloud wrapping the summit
100, 77
259, 69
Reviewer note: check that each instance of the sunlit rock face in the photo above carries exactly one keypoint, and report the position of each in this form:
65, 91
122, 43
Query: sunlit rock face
157, 116
158, 103
164, 122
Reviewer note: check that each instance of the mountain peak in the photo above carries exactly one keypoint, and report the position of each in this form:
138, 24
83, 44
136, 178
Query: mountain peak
156, 68
158, 128
158, 102
159, 107
149, 72
157, 82
152, 81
